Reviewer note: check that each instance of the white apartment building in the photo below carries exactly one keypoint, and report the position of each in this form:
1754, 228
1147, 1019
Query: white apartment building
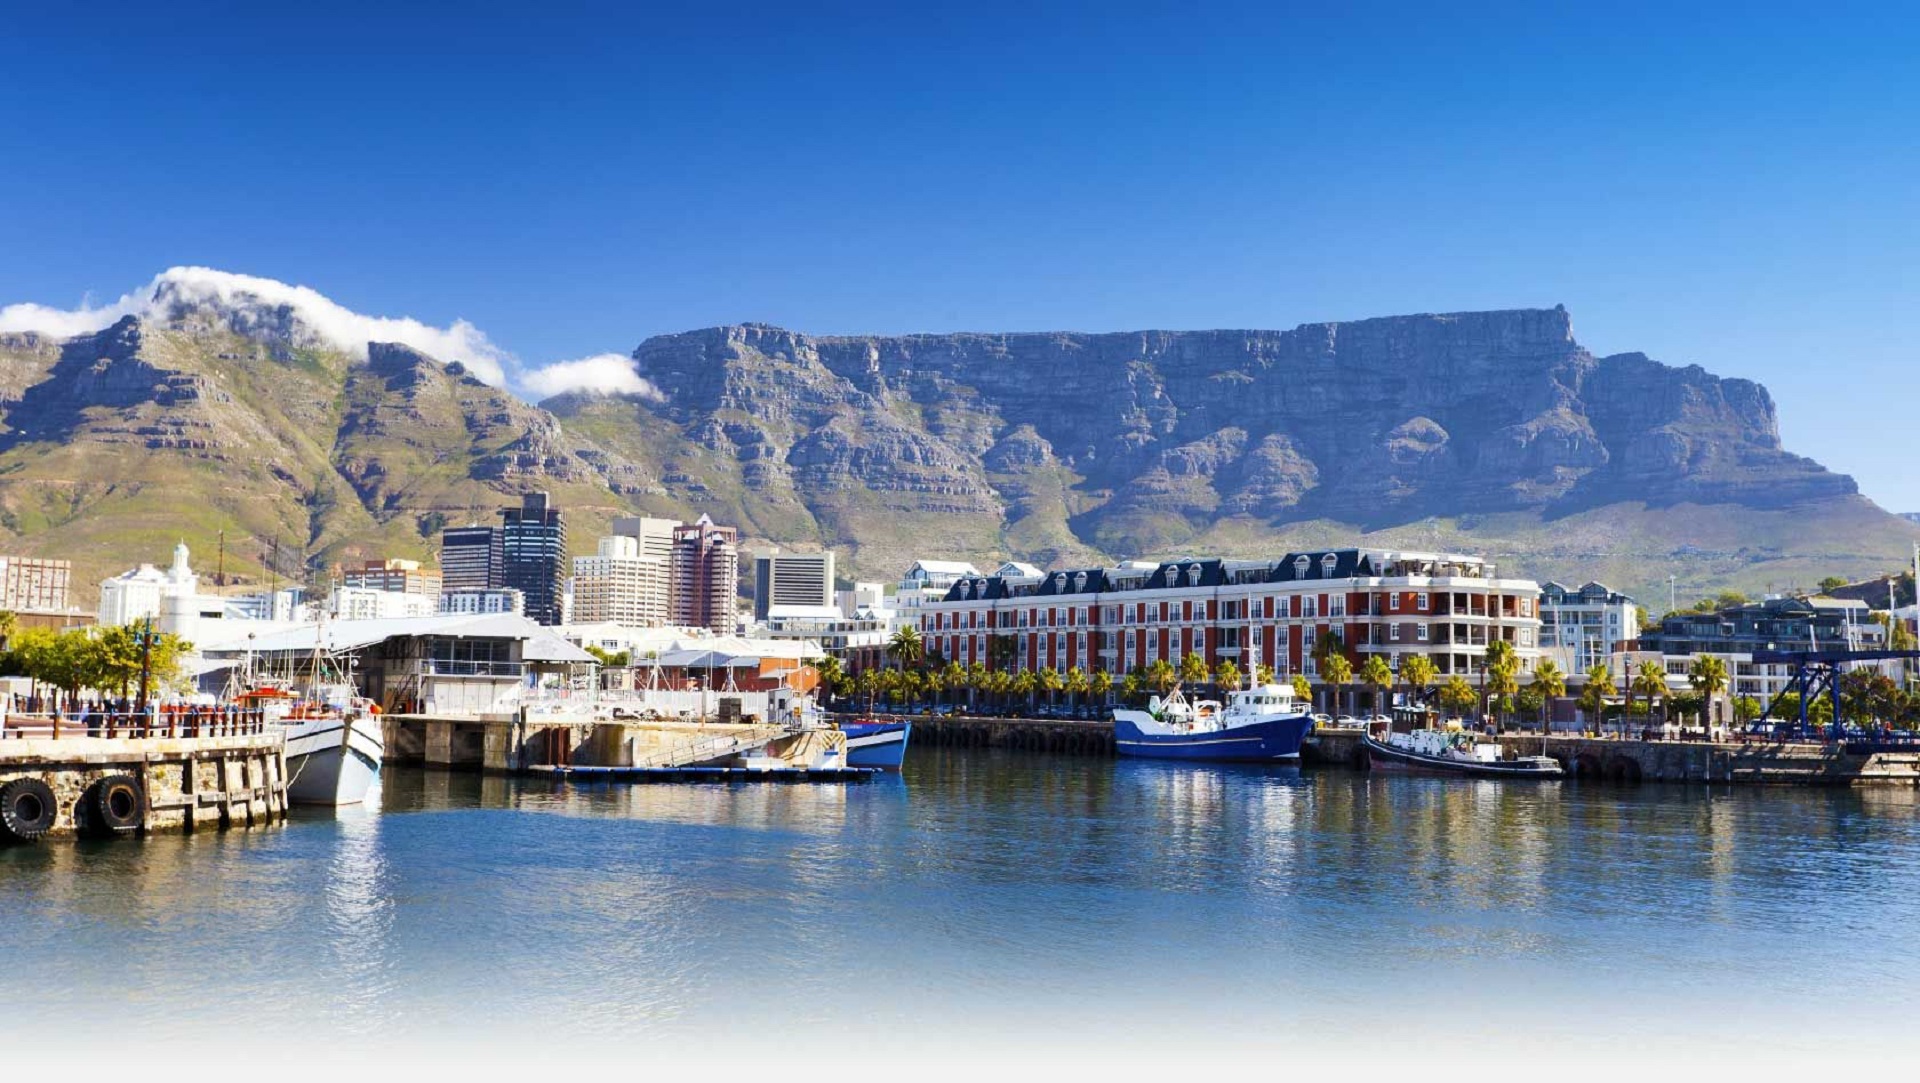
1587, 625
471, 602
367, 603
930, 580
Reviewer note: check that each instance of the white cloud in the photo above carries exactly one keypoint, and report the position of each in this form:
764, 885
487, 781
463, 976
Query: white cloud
608, 373
344, 328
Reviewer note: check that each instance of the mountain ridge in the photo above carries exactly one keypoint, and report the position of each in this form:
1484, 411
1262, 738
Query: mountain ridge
1486, 430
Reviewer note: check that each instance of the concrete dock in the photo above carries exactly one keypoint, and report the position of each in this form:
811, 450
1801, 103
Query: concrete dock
137, 784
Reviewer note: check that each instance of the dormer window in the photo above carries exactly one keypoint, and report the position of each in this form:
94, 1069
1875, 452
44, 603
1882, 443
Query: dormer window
1300, 564
1193, 575
1079, 581
1327, 563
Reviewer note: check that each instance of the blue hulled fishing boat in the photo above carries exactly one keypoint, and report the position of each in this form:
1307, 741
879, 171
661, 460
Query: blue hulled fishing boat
1256, 725
876, 744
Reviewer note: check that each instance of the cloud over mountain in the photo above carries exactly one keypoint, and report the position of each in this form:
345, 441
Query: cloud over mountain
607, 373
340, 326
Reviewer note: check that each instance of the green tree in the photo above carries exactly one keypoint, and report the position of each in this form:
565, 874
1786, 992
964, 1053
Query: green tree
1457, 696
1502, 676
1161, 676
1649, 683
1193, 669
1024, 684
1709, 677
1302, 689
1051, 682
1077, 683
1418, 672
607, 658
953, 676
1377, 675
1530, 702
1336, 673
1550, 684
9, 624
906, 648
1100, 683
977, 674
1131, 686
1262, 673
1227, 674
1831, 583
866, 683
1746, 709
1593, 698
1325, 646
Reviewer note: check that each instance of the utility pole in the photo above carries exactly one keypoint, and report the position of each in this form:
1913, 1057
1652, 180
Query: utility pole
1673, 596
146, 664
220, 572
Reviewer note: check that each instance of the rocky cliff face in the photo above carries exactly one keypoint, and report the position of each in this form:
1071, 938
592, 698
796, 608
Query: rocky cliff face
1052, 447
1128, 443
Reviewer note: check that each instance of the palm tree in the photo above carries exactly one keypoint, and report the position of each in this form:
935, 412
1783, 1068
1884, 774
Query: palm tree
1227, 675
1051, 682
906, 647
1649, 683
866, 683
1337, 671
1418, 673
1457, 696
1551, 684
1130, 685
953, 676
1378, 675
1077, 685
1193, 669
1709, 677
977, 675
1262, 673
1302, 689
1593, 698
9, 624
1161, 676
1025, 684
1100, 683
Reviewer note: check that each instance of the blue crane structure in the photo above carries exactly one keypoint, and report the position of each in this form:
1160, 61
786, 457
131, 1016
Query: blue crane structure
1816, 673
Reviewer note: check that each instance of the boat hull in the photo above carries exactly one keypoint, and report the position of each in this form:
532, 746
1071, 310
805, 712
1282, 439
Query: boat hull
1385, 757
877, 744
333, 761
1270, 740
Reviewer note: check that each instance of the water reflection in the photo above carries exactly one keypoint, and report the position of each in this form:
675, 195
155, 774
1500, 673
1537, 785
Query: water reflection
996, 884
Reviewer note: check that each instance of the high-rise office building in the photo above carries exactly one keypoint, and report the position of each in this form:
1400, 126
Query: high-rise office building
706, 572
618, 585
791, 579
469, 558
533, 554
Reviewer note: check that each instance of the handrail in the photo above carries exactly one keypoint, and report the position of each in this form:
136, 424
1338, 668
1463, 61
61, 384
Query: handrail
710, 747
160, 722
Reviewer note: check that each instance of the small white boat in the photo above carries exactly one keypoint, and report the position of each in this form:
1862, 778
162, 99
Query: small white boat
1452, 752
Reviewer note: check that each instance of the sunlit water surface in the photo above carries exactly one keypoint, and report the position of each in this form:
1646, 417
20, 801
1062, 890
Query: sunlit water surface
1004, 895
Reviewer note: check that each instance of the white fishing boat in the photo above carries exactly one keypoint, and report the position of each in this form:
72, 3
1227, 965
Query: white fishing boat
1451, 752
335, 738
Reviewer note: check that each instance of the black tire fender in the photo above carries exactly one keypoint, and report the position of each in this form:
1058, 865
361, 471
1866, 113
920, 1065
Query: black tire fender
27, 809
115, 805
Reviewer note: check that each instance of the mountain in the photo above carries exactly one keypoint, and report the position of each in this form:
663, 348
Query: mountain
250, 413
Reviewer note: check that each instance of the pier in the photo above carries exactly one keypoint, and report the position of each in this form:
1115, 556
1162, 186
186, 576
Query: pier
549, 746
1070, 736
114, 775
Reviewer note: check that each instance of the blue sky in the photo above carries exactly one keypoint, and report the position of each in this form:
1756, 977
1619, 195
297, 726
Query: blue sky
1737, 187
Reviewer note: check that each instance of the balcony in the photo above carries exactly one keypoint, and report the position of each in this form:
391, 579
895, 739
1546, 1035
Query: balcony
446, 667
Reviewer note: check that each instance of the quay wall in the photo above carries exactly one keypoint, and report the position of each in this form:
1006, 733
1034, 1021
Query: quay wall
1627, 760
513, 746
185, 783
1069, 736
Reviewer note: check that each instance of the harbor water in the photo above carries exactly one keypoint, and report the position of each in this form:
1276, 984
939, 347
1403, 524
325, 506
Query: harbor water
999, 899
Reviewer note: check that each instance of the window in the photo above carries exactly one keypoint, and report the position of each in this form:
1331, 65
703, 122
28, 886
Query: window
1327, 564
1337, 606
1393, 632
1420, 602
1393, 602
1309, 606
1300, 565
1420, 632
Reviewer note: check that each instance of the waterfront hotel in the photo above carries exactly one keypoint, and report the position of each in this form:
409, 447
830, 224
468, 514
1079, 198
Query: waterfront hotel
1445, 606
